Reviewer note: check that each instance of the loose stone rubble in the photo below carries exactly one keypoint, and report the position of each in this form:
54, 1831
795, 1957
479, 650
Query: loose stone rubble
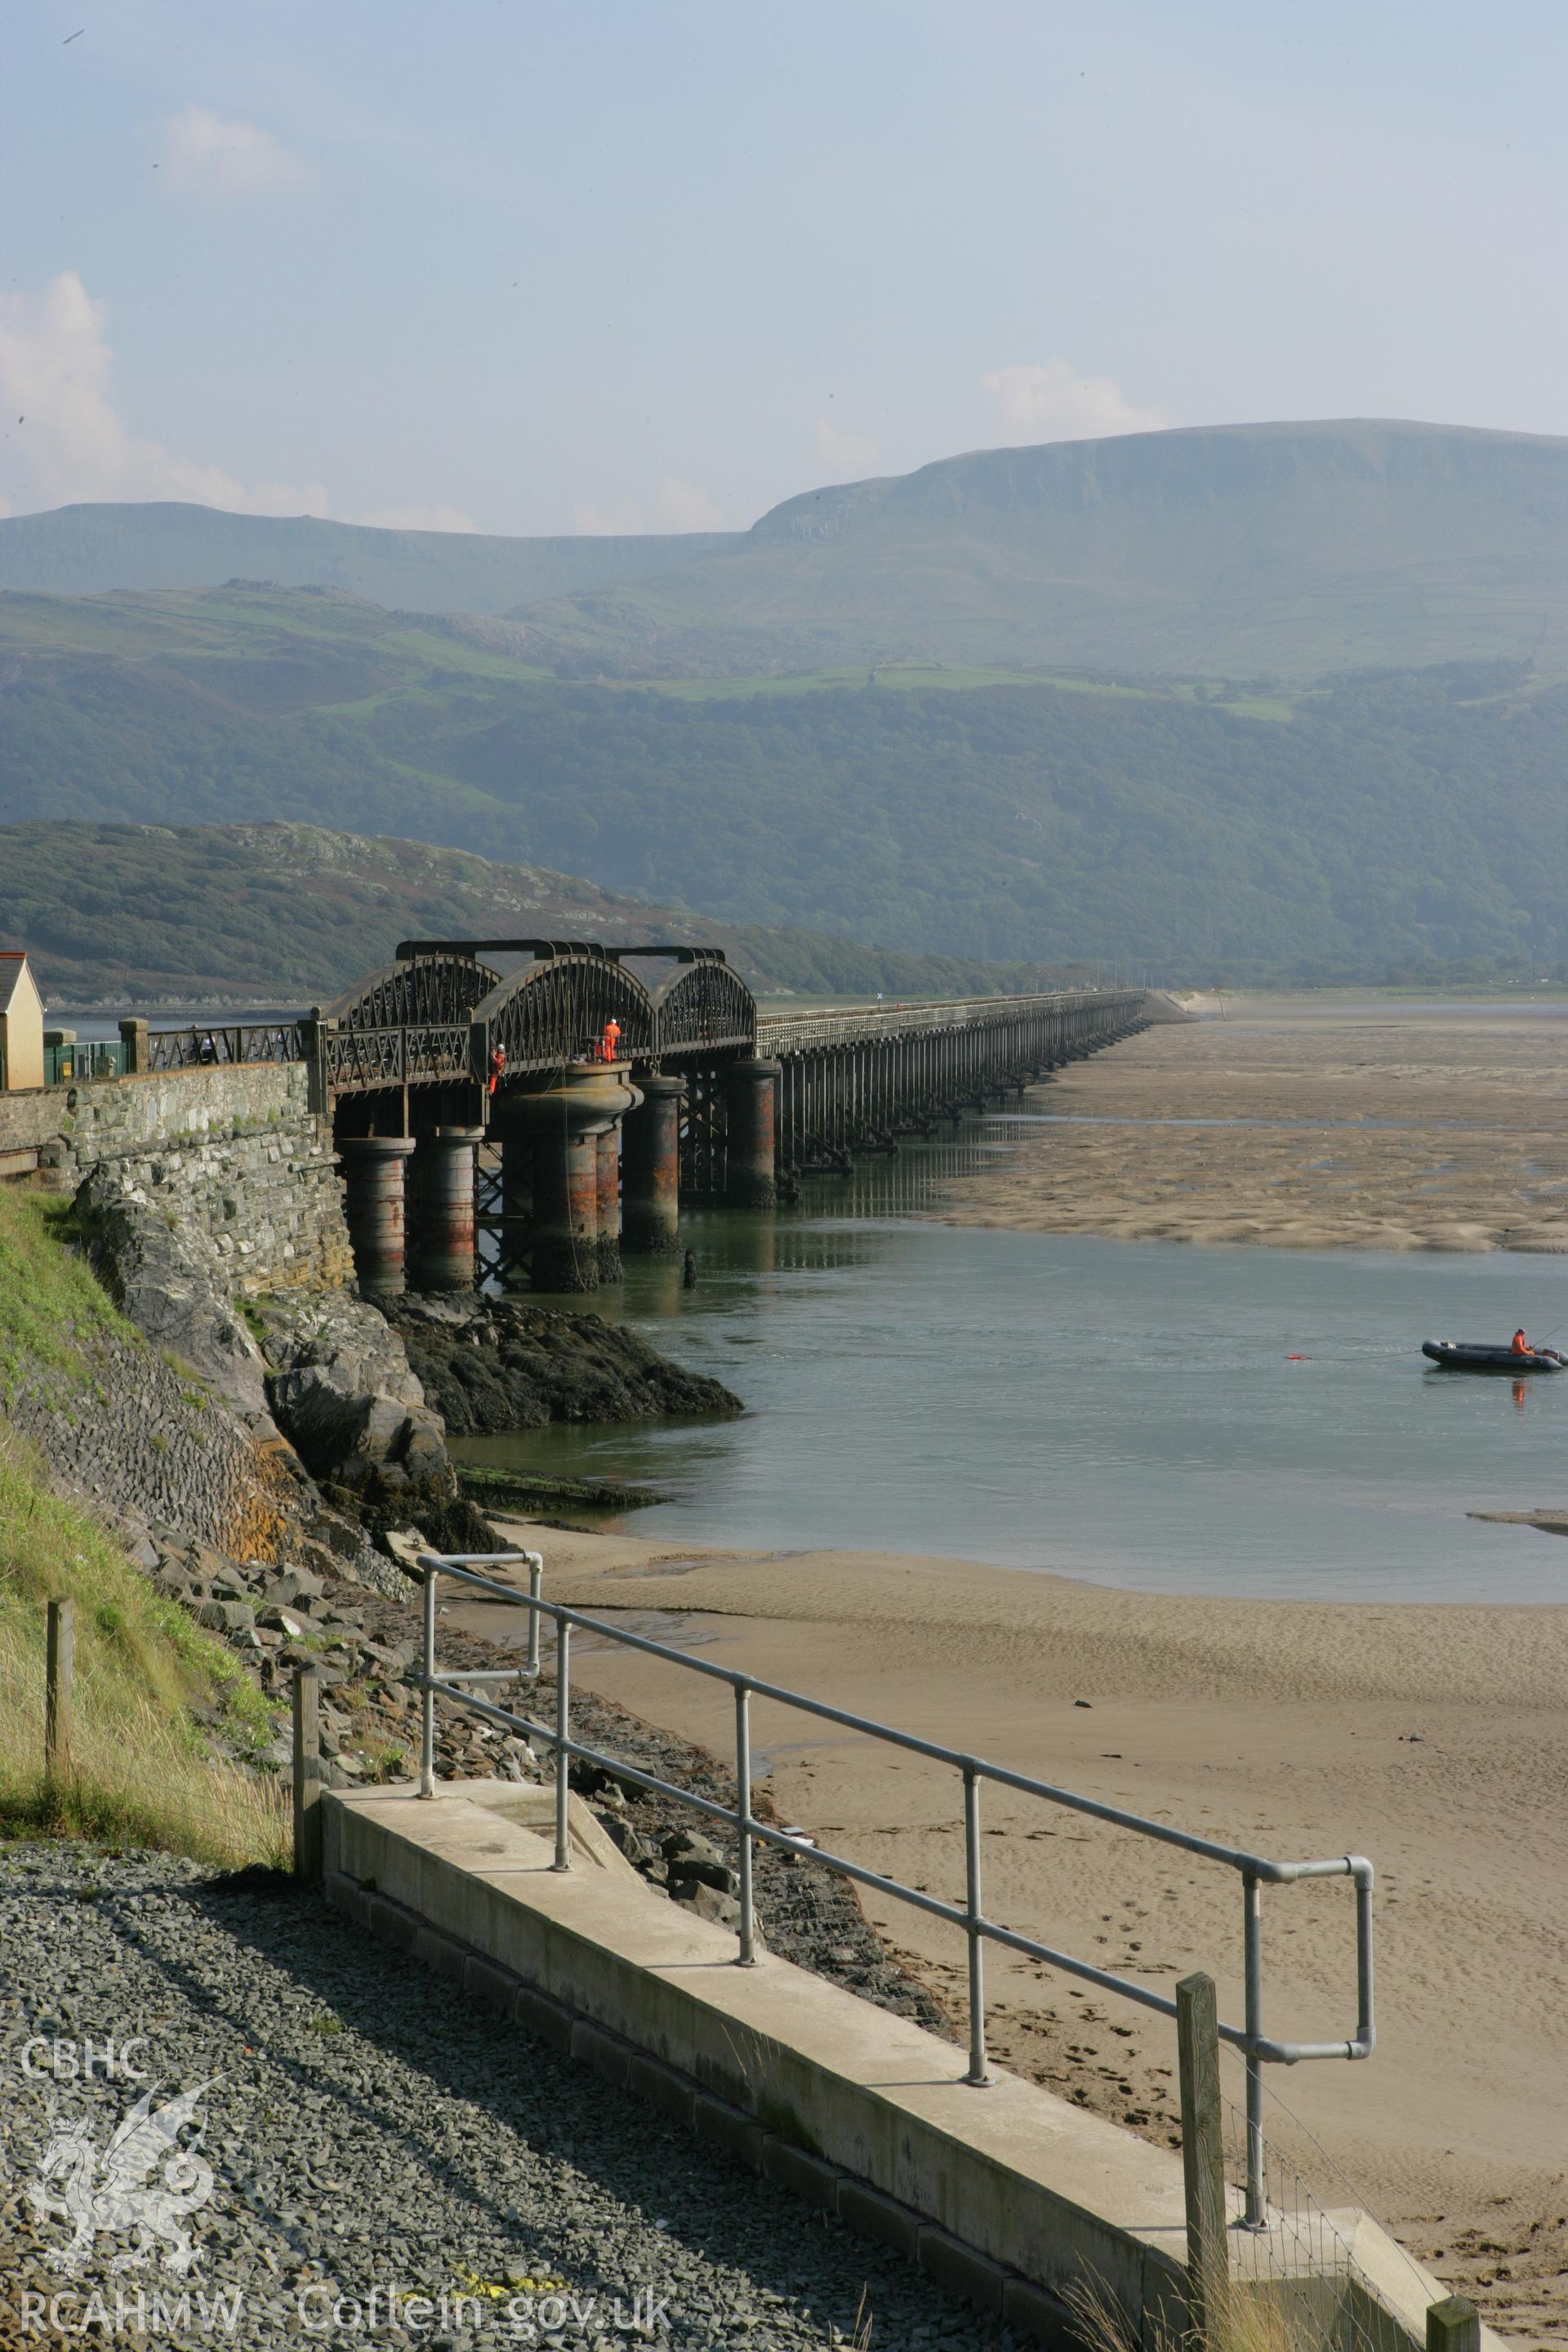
370, 2133
361, 1642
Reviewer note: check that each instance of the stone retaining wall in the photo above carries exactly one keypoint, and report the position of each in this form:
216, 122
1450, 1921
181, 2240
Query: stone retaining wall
236, 1155
125, 1427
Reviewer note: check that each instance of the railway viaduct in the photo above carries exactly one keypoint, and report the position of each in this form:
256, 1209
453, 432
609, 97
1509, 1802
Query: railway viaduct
558, 1099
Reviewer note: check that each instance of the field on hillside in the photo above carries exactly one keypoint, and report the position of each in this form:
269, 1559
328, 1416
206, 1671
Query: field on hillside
1381, 826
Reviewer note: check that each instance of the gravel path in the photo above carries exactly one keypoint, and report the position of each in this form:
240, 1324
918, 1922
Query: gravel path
371, 2130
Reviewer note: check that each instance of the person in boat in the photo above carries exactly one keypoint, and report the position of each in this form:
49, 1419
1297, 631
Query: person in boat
1519, 1346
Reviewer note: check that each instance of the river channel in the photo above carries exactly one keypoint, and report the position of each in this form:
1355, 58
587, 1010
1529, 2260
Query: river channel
1145, 1414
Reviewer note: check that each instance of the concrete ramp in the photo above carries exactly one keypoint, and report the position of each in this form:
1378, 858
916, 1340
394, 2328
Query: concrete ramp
1008, 2195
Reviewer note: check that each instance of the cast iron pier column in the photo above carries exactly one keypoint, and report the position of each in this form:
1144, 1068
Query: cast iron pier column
751, 1088
441, 1209
650, 1170
373, 1208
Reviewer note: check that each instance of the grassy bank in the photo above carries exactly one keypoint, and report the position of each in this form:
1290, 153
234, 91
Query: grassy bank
143, 1771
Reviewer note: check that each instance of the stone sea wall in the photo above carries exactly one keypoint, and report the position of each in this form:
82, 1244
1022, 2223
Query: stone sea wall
124, 1428
235, 1155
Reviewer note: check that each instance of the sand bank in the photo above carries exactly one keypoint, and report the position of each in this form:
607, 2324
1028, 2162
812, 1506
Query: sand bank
1383, 1126
1434, 1739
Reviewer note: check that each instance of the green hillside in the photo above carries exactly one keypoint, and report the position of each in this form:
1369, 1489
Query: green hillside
1384, 822
1230, 551
208, 915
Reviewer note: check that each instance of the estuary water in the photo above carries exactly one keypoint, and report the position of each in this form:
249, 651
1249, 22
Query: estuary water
1144, 1414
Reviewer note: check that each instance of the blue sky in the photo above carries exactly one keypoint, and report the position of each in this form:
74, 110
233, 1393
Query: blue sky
550, 267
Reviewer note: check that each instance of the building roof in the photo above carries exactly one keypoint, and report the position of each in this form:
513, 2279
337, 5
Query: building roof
12, 964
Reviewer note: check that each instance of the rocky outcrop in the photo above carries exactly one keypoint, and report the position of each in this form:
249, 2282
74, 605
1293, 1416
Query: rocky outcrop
340, 1387
343, 1393
163, 1274
297, 1431
498, 1364
263, 1419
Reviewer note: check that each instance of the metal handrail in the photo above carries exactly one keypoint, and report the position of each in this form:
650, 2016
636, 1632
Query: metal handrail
1256, 1871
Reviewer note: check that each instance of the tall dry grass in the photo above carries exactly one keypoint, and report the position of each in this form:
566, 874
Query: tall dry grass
1243, 2318
142, 1769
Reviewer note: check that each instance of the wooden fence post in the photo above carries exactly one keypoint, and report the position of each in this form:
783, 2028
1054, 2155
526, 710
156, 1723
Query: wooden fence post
1453, 2325
1203, 2155
58, 1675
306, 1774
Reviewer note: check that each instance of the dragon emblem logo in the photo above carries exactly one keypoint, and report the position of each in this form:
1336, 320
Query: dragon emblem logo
118, 2192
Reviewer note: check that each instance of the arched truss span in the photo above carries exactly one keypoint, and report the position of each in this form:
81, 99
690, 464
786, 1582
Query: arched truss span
406, 1022
414, 993
700, 1007
554, 1010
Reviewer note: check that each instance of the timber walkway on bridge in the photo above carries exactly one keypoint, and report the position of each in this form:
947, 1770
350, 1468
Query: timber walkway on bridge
543, 1105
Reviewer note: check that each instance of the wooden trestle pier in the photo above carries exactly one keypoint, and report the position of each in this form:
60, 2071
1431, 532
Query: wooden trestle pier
561, 1109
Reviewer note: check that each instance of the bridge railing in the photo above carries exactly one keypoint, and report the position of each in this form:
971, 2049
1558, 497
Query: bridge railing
207, 1046
850, 1024
408, 1054
395, 1058
1255, 1871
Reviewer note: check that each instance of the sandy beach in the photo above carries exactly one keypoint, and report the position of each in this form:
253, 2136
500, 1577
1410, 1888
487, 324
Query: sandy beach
1303, 1123
1434, 1739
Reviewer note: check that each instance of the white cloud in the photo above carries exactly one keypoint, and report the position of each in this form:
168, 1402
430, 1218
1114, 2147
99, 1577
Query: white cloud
1053, 402
607, 522
676, 505
845, 456
432, 517
682, 505
56, 373
202, 150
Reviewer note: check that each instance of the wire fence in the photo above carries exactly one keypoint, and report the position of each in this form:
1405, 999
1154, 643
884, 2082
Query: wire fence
1299, 2255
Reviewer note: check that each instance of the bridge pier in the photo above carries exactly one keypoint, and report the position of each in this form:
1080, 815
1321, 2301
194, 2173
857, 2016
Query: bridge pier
749, 1178
373, 1208
562, 1127
565, 1174
441, 1209
650, 1170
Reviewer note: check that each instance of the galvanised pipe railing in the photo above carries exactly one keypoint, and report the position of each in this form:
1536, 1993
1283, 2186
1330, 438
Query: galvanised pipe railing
1256, 1871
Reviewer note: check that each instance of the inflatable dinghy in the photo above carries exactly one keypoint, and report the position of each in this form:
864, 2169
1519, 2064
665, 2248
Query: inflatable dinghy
1472, 1356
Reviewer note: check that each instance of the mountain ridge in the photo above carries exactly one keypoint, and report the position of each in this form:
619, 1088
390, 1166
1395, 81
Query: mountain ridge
1289, 548
91, 548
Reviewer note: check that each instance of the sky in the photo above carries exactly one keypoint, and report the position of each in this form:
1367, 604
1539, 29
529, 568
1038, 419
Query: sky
555, 265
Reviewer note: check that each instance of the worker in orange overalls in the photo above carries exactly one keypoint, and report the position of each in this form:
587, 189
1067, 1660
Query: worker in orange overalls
612, 1038
497, 1069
